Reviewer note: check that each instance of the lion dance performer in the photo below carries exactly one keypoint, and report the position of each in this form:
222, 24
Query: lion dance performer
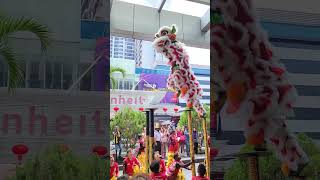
114, 168
256, 82
141, 154
181, 78
172, 150
131, 164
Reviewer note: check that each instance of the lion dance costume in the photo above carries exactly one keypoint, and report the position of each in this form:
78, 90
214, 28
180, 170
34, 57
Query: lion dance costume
141, 157
255, 81
173, 148
181, 78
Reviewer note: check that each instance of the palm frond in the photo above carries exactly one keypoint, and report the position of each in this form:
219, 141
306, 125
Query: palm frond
117, 69
10, 25
16, 74
113, 82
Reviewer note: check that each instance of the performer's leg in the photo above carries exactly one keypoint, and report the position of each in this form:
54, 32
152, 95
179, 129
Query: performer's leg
120, 149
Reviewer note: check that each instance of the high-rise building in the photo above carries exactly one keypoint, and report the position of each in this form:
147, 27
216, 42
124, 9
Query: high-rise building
121, 47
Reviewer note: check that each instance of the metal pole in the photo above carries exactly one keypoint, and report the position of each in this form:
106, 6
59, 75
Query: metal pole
147, 141
83, 74
205, 136
193, 168
253, 167
151, 137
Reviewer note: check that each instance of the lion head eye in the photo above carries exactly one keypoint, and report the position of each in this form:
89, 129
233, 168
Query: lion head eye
163, 33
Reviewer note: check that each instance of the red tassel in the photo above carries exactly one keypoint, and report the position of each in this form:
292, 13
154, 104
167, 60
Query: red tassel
235, 33
283, 90
238, 51
242, 16
264, 53
261, 105
250, 74
276, 70
218, 48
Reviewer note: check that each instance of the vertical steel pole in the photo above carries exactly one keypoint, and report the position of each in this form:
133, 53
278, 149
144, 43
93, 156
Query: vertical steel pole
146, 140
253, 167
193, 168
205, 137
151, 137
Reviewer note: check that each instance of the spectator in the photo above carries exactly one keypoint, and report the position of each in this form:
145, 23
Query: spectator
114, 168
117, 141
180, 135
157, 138
195, 140
129, 163
201, 173
164, 141
200, 140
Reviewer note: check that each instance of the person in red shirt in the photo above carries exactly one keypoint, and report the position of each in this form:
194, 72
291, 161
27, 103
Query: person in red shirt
201, 173
114, 168
129, 163
174, 170
173, 142
157, 157
155, 169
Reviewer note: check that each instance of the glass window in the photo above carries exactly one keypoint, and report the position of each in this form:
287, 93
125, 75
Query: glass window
86, 81
53, 75
67, 75
34, 76
3, 73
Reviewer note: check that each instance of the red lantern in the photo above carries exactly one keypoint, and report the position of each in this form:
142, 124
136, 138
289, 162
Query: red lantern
165, 109
141, 109
116, 109
20, 150
100, 150
176, 109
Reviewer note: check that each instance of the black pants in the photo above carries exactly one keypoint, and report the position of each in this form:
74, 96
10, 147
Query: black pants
157, 147
195, 147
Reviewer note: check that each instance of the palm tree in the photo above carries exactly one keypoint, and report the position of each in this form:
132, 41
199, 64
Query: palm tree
8, 26
116, 69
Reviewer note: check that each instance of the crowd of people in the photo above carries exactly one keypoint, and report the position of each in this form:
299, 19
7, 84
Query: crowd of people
169, 143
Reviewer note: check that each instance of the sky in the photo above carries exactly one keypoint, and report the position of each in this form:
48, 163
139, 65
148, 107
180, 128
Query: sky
179, 6
198, 56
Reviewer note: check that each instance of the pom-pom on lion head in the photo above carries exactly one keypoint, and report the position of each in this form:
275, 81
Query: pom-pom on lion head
164, 37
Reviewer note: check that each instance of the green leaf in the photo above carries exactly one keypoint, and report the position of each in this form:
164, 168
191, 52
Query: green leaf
16, 74
9, 26
173, 30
